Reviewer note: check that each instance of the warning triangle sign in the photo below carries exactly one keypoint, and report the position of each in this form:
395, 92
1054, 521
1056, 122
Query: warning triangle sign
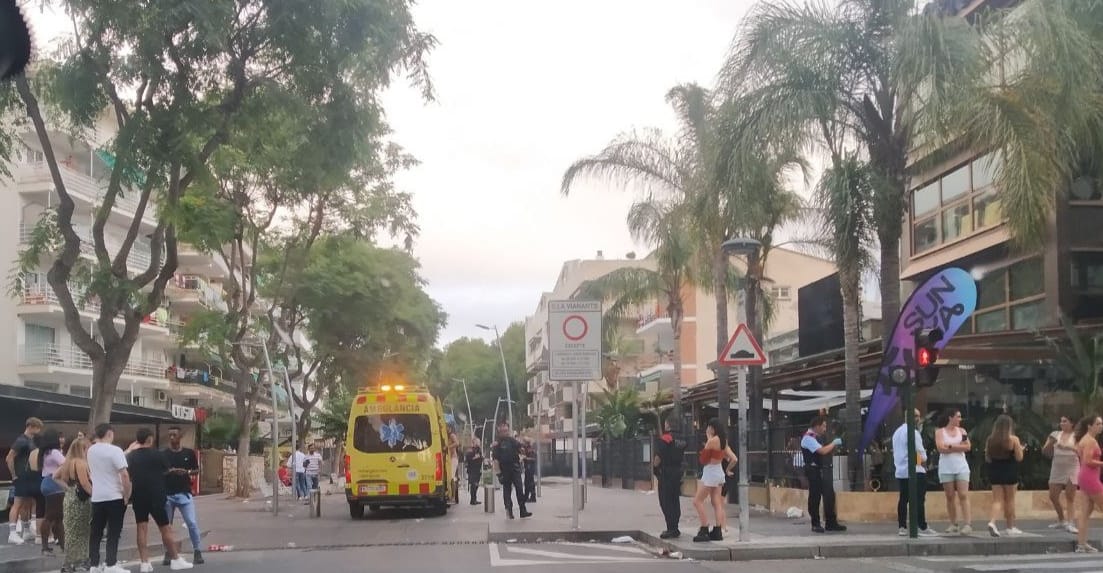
742, 349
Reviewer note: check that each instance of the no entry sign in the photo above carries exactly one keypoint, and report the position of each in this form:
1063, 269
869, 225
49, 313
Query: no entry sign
574, 340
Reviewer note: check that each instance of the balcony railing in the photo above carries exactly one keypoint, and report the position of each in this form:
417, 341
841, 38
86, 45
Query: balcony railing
651, 315
42, 294
71, 357
84, 187
208, 295
137, 260
201, 378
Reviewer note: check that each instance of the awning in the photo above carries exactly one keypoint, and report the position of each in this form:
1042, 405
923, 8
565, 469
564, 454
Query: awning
53, 407
813, 401
136, 177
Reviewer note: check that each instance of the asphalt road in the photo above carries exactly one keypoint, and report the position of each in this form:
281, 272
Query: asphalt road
601, 558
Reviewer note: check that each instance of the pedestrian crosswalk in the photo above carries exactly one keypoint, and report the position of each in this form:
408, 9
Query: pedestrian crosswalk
564, 553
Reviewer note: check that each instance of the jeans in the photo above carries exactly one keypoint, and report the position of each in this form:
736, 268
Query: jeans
902, 504
313, 481
820, 487
302, 489
109, 514
184, 502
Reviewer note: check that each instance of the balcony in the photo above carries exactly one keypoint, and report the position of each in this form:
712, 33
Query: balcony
137, 261
57, 358
653, 320
41, 298
33, 178
195, 292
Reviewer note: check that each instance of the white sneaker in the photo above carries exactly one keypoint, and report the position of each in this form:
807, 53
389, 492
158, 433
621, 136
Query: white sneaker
179, 564
993, 530
966, 529
116, 568
96, 569
927, 533
903, 532
1085, 548
953, 529
1059, 525
1014, 531
15, 538
145, 567
1071, 528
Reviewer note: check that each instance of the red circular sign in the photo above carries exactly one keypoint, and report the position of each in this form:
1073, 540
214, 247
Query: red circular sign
572, 324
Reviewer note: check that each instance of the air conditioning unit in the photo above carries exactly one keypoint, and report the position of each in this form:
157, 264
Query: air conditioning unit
162, 396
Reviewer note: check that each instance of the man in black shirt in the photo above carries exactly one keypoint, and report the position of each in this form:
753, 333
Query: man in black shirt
148, 469
667, 465
183, 464
506, 453
25, 482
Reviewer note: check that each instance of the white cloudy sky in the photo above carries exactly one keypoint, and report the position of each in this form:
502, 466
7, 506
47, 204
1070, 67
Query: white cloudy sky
524, 88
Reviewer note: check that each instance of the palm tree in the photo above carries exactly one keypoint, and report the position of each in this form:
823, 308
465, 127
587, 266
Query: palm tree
845, 197
1081, 356
630, 287
851, 74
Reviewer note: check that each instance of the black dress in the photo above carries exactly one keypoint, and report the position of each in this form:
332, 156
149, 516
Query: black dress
1003, 469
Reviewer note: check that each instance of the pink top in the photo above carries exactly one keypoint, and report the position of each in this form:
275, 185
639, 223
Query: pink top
52, 462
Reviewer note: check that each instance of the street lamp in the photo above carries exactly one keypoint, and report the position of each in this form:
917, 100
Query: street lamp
505, 372
750, 248
468, 400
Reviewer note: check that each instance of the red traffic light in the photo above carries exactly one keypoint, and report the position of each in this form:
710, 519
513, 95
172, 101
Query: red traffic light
926, 357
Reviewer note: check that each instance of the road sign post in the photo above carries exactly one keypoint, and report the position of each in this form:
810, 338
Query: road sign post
743, 351
574, 355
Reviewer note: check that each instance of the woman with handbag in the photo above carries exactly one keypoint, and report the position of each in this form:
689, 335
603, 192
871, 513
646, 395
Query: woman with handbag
53, 492
77, 507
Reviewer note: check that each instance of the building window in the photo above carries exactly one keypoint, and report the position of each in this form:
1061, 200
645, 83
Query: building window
82, 391
1012, 298
1087, 271
956, 204
781, 293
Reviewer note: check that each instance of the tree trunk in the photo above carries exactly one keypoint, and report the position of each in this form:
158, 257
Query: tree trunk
676, 392
302, 425
244, 486
723, 386
105, 381
890, 286
849, 286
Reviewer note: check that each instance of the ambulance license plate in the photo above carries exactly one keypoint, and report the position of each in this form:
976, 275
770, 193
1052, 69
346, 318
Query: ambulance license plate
371, 488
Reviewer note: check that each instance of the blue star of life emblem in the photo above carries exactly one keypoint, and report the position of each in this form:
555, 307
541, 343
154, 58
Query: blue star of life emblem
391, 433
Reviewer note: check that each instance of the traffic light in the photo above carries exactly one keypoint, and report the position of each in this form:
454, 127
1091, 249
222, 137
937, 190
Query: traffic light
926, 355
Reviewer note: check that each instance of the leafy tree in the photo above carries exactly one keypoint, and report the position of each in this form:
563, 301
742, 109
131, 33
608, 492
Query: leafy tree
177, 80
617, 413
844, 197
851, 77
332, 419
1081, 356
479, 365
631, 287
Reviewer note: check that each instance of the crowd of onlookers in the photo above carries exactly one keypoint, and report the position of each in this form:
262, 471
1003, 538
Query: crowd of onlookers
78, 492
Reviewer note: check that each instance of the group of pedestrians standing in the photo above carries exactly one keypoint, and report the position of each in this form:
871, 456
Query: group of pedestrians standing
305, 463
84, 490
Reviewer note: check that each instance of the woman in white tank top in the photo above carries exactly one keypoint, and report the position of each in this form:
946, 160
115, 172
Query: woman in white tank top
952, 442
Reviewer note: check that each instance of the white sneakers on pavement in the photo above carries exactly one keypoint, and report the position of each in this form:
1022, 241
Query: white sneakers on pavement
180, 564
15, 538
145, 567
116, 568
928, 533
1069, 527
1013, 531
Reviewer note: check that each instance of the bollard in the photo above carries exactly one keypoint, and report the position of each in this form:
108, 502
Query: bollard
488, 498
315, 503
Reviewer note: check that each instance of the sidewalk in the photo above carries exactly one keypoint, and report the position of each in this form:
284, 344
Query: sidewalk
612, 513
28, 558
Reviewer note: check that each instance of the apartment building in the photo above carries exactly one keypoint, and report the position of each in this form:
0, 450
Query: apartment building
644, 353
955, 218
33, 336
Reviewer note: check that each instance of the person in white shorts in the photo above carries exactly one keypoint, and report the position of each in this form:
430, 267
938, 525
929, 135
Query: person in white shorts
952, 442
1061, 447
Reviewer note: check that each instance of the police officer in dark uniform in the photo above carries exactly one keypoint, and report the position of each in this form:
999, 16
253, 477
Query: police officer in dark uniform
506, 453
817, 468
530, 471
667, 466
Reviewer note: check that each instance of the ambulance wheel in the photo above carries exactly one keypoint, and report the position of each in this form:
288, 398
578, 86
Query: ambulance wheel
356, 510
439, 509
373, 507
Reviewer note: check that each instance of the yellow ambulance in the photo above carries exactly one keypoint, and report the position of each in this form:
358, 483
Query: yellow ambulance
397, 451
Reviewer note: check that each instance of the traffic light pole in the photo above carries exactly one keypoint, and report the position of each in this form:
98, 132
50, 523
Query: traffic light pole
913, 489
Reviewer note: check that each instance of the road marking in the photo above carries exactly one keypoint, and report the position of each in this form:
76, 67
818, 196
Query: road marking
496, 559
622, 548
1015, 558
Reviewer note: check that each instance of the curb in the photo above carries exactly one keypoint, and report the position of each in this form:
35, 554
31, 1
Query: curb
40, 563
548, 536
886, 548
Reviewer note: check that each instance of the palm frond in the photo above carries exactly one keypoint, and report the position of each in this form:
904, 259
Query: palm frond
643, 159
845, 195
624, 290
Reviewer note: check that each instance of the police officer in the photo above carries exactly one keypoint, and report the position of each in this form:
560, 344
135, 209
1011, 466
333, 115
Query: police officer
506, 453
530, 471
667, 466
817, 468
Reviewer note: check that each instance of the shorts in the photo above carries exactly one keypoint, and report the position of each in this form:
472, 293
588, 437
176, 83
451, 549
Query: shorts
27, 487
148, 506
713, 476
951, 478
